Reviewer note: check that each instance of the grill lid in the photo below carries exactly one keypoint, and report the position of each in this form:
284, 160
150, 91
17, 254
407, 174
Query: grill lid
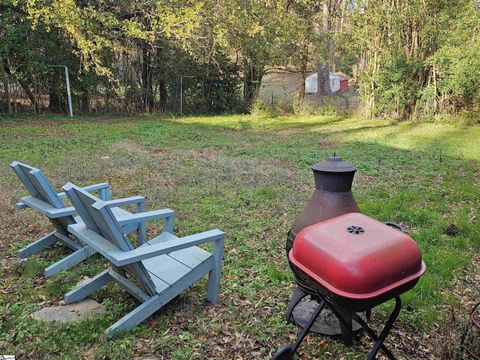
356, 256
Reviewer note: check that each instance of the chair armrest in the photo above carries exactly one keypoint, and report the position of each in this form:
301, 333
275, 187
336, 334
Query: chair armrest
102, 186
97, 242
45, 208
58, 213
166, 214
34, 203
133, 200
61, 195
151, 250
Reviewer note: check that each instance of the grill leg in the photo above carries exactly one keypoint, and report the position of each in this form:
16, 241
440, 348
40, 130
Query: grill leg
298, 295
287, 352
368, 315
380, 339
306, 330
388, 326
345, 320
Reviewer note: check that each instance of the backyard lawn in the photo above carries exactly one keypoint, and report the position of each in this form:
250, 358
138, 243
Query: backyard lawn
250, 177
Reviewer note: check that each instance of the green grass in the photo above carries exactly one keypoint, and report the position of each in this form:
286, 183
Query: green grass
249, 177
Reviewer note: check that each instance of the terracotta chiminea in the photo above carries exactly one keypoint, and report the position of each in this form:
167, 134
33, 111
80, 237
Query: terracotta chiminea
332, 196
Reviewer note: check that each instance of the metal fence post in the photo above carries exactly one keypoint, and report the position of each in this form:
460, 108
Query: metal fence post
69, 95
181, 95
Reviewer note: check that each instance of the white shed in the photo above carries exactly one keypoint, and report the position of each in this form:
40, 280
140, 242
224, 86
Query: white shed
311, 83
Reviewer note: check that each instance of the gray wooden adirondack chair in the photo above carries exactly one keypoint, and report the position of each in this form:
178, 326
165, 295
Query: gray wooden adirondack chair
46, 201
154, 272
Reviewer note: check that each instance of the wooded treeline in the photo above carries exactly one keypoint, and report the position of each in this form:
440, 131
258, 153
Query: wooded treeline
410, 58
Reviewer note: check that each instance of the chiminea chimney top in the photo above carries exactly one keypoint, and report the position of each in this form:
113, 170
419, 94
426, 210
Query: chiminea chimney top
334, 174
334, 164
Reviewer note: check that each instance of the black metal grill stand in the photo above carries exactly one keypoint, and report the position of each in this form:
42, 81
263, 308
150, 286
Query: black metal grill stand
345, 317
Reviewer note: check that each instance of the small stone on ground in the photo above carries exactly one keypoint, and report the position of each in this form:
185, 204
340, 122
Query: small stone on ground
72, 312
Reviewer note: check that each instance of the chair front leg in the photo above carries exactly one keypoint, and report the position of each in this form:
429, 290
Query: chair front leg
142, 226
105, 193
168, 226
215, 273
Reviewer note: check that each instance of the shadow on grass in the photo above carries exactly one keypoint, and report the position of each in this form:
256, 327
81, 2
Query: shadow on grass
253, 123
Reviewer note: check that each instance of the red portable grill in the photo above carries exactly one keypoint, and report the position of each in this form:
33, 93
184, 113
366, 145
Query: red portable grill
353, 263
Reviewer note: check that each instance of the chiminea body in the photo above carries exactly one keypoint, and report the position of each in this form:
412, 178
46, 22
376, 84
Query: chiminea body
332, 196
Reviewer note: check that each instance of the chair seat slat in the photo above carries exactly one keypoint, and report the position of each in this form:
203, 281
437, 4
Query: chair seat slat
160, 285
166, 268
166, 271
191, 257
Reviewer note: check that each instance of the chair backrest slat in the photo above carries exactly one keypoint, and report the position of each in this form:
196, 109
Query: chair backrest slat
99, 218
82, 201
110, 227
37, 184
44, 188
22, 170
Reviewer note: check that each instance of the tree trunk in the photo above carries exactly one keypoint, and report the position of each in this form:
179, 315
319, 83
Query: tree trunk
435, 90
303, 70
302, 86
162, 86
54, 100
163, 95
147, 78
84, 106
323, 80
7, 92
323, 77
24, 86
29, 93
252, 79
